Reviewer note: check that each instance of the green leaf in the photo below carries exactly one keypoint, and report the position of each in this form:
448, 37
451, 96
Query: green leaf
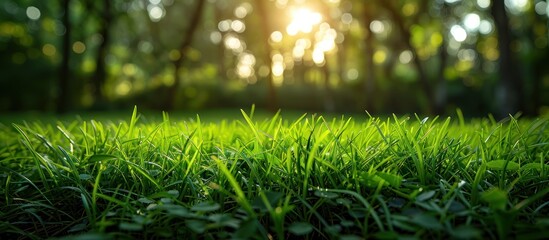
496, 198
427, 221
101, 157
347, 223
152, 207
196, 225
272, 199
393, 179
501, 165
300, 228
145, 200
174, 193
79, 227
85, 176
325, 194
130, 226
534, 166
372, 180
141, 219
466, 232
247, 229
344, 201
425, 196
386, 235
225, 220
205, 207
88, 236
334, 229
163, 232
350, 237
175, 210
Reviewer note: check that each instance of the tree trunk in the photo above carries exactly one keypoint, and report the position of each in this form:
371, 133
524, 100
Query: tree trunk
266, 29
369, 80
100, 74
441, 93
222, 74
508, 95
406, 35
187, 40
64, 71
329, 104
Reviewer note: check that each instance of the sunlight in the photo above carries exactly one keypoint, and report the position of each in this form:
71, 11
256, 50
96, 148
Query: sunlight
234, 43
303, 21
276, 37
245, 67
156, 13
278, 65
33, 13
458, 33
472, 21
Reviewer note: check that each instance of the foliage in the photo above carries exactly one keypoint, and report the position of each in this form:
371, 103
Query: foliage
384, 56
310, 177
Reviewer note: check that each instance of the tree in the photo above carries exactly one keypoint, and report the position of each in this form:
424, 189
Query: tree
185, 44
100, 73
406, 38
369, 81
509, 97
266, 33
64, 70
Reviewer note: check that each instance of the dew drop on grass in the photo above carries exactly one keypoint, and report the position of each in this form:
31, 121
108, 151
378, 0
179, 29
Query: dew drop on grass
326, 194
344, 201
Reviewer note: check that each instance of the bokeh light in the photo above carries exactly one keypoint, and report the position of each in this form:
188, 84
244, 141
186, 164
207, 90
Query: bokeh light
405, 57
156, 12
33, 13
458, 33
484, 3
471, 21
276, 37
377, 26
303, 21
78, 47
49, 50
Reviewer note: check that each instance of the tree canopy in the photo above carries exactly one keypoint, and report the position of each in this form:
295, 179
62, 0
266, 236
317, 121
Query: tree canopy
428, 56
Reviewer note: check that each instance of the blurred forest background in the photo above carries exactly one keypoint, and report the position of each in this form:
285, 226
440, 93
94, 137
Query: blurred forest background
397, 56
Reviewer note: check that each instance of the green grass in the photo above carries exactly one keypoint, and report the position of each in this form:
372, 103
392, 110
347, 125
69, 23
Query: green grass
272, 177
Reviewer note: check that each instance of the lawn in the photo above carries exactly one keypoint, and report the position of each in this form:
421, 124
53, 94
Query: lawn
274, 177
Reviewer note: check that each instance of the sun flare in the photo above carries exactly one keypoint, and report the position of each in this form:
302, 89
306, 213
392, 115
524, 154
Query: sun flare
303, 20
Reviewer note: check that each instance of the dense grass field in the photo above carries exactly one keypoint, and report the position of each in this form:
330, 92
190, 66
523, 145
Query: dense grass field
306, 177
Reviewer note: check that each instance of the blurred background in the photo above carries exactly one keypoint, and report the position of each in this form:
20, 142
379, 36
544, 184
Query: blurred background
422, 56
